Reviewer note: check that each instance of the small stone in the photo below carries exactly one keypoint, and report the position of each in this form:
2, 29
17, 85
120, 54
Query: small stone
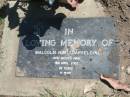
128, 70
122, 68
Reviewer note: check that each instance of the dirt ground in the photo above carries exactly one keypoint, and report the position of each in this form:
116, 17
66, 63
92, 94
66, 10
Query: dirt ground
119, 9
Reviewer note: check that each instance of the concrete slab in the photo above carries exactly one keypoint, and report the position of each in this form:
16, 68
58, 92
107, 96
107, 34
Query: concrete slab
12, 85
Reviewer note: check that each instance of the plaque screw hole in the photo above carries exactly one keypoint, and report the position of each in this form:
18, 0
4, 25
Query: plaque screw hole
83, 68
91, 59
101, 27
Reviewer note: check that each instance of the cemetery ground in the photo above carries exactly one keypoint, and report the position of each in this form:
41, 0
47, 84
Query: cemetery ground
47, 87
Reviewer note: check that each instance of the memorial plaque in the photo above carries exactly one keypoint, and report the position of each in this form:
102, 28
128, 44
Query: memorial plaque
76, 49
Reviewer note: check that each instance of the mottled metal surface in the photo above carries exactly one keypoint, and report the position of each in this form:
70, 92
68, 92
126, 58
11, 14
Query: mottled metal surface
75, 66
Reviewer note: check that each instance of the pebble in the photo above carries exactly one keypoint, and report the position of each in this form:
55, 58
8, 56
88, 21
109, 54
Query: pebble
128, 70
128, 3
